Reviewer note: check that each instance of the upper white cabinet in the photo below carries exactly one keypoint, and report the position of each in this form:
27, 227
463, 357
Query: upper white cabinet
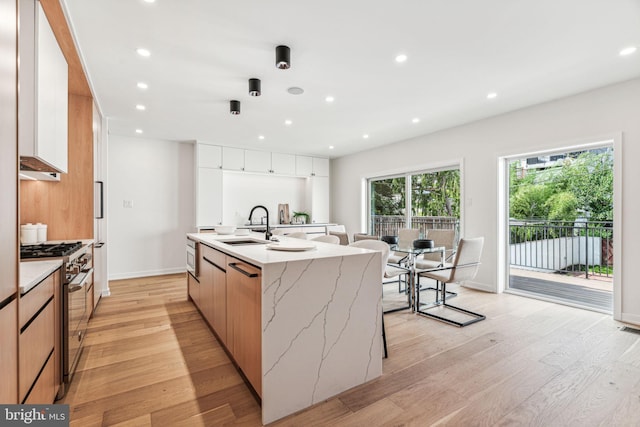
238, 159
209, 156
233, 158
284, 164
208, 197
257, 161
43, 101
320, 166
312, 166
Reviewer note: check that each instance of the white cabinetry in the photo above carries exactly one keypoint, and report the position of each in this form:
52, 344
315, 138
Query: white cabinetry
283, 164
312, 166
209, 156
208, 197
43, 102
318, 198
232, 158
257, 161
268, 162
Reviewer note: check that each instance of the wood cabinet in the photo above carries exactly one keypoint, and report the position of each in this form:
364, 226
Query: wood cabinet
39, 349
193, 286
42, 106
213, 290
8, 203
244, 323
9, 353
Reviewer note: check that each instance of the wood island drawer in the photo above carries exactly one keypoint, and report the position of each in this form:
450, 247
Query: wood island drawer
216, 257
33, 300
44, 390
36, 344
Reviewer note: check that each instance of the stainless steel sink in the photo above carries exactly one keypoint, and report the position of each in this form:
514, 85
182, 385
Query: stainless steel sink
243, 242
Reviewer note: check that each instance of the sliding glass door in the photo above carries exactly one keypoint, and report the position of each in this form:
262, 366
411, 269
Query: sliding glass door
423, 200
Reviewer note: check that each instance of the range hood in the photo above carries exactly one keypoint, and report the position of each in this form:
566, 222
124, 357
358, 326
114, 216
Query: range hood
33, 168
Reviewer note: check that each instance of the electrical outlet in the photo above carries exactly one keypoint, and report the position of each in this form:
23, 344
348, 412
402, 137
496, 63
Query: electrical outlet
127, 203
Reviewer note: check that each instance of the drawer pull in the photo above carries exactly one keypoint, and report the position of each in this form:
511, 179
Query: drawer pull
234, 265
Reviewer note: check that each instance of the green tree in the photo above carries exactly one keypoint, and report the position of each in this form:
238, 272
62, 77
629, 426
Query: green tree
436, 194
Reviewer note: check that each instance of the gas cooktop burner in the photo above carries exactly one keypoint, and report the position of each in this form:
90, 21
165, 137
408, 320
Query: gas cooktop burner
48, 250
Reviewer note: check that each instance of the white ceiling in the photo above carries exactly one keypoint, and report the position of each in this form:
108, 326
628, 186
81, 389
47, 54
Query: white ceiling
204, 51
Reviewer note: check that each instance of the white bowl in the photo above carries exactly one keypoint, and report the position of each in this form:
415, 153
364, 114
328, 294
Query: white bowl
242, 232
225, 229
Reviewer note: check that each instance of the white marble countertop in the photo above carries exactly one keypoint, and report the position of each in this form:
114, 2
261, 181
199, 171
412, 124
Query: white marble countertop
33, 272
260, 255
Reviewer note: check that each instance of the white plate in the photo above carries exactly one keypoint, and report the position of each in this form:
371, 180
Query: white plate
291, 246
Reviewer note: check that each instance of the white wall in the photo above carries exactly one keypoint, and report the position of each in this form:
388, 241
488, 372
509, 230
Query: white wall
241, 191
157, 176
560, 123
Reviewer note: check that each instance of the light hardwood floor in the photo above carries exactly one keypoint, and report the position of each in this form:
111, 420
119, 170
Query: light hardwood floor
151, 360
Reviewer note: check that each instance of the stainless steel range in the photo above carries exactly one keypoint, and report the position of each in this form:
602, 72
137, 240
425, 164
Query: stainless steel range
77, 265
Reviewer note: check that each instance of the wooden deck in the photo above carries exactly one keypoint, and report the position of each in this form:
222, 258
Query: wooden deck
150, 360
590, 293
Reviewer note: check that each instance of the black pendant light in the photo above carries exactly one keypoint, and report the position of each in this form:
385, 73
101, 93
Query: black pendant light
254, 87
283, 57
234, 107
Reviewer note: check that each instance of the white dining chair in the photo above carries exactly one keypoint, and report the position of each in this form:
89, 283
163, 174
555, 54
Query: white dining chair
327, 238
464, 267
298, 235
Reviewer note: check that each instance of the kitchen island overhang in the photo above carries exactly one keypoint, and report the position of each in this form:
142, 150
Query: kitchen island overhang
321, 321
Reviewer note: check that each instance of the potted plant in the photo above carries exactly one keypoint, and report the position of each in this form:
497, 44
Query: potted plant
301, 217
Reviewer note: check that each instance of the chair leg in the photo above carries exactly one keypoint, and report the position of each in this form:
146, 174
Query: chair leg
476, 316
384, 338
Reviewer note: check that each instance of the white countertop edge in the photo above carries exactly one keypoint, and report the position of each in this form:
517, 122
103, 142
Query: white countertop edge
33, 272
260, 256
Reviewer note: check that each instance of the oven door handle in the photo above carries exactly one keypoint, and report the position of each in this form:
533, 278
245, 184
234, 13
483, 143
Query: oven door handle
76, 286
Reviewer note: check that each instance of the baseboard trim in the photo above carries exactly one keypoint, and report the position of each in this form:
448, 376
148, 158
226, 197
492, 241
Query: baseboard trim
136, 274
479, 287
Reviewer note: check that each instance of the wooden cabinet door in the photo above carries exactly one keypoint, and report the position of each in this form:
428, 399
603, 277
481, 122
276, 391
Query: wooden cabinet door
244, 283
219, 307
9, 353
194, 289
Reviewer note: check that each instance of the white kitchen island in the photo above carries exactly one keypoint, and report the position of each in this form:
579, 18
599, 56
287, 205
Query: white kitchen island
320, 313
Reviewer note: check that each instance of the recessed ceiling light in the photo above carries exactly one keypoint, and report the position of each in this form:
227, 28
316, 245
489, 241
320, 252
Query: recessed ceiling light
628, 50
331, 147
140, 107
329, 98
294, 90
149, 1
491, 95
415, 120
143, 52
365, 136
142, 85
288, 122
138, 130
260, 136
401, 58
